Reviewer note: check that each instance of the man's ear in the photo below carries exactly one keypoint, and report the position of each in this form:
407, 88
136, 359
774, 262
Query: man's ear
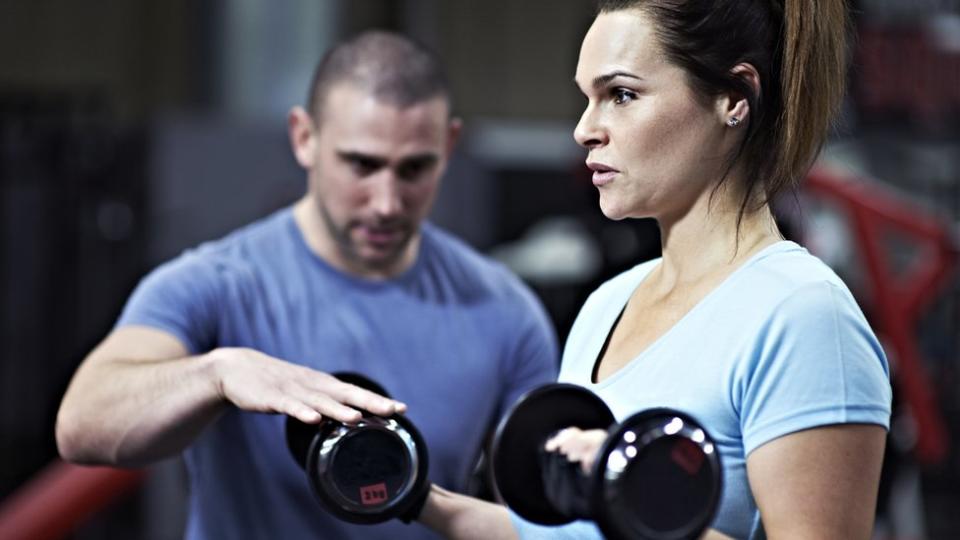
453, 134
734, 107
303, 136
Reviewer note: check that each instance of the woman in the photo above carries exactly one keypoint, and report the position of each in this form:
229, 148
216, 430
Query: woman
698, 114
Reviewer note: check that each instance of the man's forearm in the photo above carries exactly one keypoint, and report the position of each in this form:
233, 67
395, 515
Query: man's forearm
131, 412
138, 397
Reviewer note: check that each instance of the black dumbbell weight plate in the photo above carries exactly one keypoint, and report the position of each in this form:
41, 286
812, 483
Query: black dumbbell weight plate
299, 435
365, 473
531, 421
661, 478
370, 473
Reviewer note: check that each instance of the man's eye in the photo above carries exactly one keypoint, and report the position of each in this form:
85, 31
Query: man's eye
622, 95
413, 170
363, 167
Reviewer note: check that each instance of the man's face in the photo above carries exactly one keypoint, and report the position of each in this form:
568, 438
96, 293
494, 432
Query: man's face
374, 170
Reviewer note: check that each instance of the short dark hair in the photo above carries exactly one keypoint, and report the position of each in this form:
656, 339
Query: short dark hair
394, 68
799, 50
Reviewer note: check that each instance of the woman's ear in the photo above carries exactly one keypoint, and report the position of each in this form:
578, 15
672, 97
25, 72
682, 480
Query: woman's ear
734, 107
302, 135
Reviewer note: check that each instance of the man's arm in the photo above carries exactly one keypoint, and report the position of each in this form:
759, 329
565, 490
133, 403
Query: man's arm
139, 396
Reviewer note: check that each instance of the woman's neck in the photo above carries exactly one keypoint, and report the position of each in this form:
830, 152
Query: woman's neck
711, 243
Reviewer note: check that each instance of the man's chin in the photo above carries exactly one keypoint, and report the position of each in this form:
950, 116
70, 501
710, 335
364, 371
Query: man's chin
380, 259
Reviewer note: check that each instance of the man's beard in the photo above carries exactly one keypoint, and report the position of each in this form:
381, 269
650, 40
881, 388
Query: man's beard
351, 250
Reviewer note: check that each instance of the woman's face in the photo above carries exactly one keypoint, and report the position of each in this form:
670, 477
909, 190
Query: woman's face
654, 145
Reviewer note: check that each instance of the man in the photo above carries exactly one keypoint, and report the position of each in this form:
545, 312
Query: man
350, 278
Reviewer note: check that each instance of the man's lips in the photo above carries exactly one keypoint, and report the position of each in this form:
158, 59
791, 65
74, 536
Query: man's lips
602, 174
381, 235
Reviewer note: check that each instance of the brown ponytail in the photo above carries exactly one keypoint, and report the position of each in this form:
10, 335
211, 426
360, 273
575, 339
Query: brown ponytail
813, 76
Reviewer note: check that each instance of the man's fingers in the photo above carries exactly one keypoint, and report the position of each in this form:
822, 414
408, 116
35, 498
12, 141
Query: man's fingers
301, 411
313, 407
368, 401
332, 408
262, 383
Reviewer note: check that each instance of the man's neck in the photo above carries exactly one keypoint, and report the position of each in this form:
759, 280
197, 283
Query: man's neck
320, 241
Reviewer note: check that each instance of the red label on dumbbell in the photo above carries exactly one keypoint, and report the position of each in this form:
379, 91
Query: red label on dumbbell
373, 494
687, 456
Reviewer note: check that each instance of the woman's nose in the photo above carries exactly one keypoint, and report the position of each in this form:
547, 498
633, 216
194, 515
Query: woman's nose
589, 132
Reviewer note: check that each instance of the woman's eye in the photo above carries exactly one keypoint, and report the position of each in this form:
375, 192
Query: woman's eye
622, 95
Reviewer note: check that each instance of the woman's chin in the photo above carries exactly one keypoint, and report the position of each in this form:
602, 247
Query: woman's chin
613, 211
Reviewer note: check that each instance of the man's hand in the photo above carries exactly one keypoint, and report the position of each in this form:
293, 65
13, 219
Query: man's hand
140, 397
254, 381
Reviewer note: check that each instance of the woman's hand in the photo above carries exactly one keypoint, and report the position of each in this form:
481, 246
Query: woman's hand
578, 445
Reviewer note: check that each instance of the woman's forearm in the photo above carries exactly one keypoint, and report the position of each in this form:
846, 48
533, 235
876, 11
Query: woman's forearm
460, 517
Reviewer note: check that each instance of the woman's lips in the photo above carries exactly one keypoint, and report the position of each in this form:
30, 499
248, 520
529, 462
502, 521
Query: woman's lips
602, 174
603, 178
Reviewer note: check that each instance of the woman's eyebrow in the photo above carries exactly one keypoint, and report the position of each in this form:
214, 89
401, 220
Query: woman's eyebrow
601, 80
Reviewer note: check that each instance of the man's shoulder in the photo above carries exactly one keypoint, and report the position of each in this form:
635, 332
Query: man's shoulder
467, 265
262, 234
239, 252
446, 248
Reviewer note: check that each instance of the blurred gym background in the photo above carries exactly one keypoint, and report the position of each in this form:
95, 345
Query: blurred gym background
130, 130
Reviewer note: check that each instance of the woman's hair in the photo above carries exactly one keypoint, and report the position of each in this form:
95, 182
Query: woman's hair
799, 49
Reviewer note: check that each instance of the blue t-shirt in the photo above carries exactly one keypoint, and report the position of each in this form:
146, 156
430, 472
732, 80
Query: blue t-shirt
456, 337
778, 347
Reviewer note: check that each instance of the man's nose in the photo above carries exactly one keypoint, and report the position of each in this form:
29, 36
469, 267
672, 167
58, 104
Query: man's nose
386, 199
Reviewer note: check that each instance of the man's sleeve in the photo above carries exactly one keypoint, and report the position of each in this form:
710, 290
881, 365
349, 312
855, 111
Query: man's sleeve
533, 360
815, 363
180, 297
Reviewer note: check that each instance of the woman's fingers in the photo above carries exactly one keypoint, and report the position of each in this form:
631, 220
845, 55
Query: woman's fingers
562, 439
578, 445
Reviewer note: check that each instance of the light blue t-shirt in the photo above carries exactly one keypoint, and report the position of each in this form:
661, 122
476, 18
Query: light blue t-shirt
456, 337
778, 347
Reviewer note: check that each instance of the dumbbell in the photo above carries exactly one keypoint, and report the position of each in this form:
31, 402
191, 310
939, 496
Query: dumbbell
657, 475
368, 472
